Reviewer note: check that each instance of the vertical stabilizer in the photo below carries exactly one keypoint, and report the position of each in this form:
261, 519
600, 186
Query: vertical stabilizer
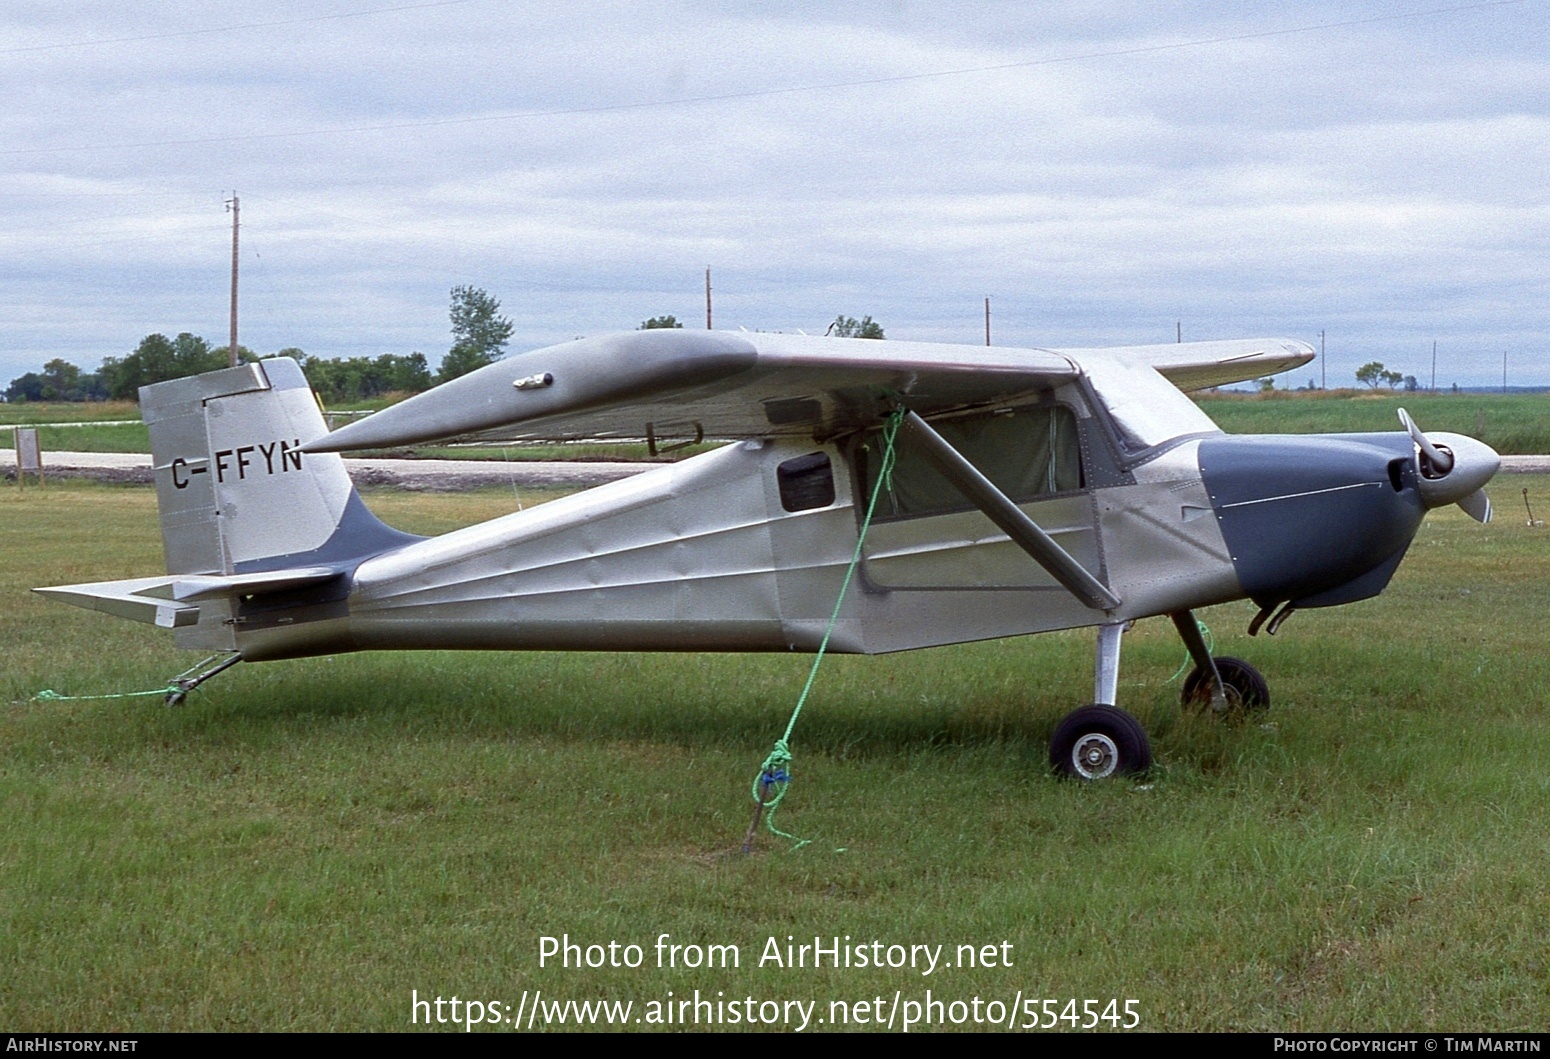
235, 492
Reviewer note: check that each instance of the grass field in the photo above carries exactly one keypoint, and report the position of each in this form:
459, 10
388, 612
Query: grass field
305, 843
89, 428
1513, 423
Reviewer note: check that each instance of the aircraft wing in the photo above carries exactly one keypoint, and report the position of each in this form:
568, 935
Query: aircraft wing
1198, 365
678, 385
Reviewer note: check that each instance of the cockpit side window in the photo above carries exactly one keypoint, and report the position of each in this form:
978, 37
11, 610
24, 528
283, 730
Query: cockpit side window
1027, 452
806, 483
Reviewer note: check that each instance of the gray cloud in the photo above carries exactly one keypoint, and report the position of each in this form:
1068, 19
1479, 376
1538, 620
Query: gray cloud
1101, 171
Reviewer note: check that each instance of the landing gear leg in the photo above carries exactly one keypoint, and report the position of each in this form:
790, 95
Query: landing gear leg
1227, 685
1210, 679
1106, 668
179, 687
1101, 740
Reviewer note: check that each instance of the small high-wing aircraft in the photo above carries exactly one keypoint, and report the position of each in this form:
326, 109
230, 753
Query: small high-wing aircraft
1029, 490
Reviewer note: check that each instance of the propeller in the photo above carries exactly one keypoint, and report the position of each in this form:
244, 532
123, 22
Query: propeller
1452, 469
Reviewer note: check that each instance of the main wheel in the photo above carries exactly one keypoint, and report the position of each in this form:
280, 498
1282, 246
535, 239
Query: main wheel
1099, 741
1245, 686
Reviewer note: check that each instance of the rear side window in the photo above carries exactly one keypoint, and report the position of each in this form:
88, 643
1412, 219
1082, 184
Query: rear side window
806, 482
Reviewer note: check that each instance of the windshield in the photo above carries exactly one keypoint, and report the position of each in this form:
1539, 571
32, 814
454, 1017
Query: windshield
1146, 408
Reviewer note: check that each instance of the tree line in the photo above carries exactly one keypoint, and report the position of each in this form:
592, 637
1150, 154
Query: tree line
158, 358
479, 337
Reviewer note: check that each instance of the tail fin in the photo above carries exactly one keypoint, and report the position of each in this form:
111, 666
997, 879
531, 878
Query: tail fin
257, 533
235, 492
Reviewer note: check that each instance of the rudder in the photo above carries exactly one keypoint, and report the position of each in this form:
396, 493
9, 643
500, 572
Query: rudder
234, 490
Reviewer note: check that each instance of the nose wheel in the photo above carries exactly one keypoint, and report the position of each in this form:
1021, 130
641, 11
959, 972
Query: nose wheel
1243, 685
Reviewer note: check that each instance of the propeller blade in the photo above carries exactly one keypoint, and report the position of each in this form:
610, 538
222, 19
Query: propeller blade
1452, 469
1477, 506
1440, 459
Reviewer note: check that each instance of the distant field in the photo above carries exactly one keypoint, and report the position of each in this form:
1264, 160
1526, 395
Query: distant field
1514, 424
28, 413
304, 843
91, 435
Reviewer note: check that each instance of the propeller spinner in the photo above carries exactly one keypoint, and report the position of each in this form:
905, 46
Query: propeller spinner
1452, 469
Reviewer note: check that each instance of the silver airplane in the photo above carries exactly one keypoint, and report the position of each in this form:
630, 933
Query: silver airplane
1029, 490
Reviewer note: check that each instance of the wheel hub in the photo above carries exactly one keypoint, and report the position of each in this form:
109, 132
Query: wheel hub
1095, 756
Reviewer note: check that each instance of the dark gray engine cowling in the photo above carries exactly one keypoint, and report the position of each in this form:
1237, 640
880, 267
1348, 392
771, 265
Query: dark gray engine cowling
1317, 519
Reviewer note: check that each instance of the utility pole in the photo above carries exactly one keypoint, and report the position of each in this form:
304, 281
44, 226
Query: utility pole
987, 320
1434, 365
707, 298
1323, 371
1179, 332
1504, 371
231, 350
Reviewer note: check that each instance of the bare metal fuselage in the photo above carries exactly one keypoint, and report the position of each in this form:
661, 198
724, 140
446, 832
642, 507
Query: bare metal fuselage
702, 555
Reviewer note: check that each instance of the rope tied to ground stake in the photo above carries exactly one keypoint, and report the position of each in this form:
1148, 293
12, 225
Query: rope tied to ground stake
774, 778
173, 686
50, 695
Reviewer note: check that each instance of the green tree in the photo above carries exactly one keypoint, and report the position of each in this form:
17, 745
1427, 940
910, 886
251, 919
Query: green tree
156, 359
61, 381
850, 327
28, 387
1375, 374
353, 378
479, 333
658, 322
410, 374
244, 354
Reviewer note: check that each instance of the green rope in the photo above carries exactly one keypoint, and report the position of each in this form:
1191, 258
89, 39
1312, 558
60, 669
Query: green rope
49, 695
775, 774
172, 688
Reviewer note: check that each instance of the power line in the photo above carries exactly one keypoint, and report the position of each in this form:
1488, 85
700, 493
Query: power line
763, 93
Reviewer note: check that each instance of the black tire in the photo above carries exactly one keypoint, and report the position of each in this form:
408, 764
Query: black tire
1097, 742
1245, 686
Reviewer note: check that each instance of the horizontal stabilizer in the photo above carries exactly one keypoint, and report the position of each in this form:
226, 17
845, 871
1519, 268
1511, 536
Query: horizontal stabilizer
171, 601
191, 589
146, 599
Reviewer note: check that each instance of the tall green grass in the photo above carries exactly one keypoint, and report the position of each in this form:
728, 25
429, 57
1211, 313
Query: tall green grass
306, 842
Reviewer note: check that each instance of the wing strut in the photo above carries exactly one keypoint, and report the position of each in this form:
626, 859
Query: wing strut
1025, 533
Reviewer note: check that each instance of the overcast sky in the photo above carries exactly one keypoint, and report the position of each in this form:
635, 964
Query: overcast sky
1104, 172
